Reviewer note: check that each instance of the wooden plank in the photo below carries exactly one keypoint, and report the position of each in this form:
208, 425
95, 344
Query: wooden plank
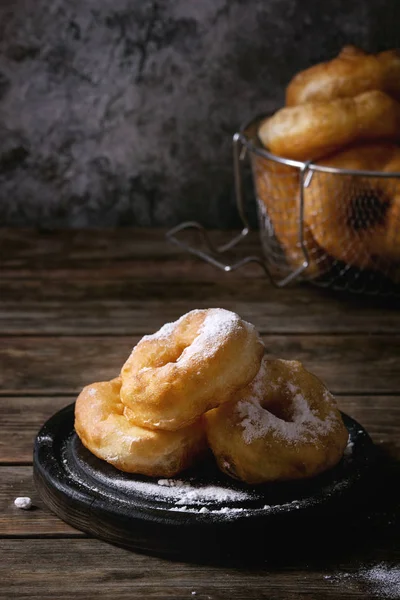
61, 252
37, 569
121, 306
18, 481
380, 416
19, 246
113, 253
22, 417
52, 365
165, 270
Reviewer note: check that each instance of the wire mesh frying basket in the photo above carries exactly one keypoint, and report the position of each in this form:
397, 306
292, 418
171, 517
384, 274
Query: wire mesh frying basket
335, 227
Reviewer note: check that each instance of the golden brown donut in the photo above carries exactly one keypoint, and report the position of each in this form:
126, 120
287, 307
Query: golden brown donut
356, 219
386, 242
188, 367
351, 73
311, 131
103, 429
285, 425
277, 188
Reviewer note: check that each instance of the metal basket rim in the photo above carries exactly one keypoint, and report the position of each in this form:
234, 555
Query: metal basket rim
302, 165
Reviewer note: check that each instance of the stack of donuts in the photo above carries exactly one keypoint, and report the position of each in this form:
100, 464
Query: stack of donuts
343, 114
204, 382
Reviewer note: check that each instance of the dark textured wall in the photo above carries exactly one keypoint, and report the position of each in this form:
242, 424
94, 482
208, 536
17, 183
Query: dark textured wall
117, 112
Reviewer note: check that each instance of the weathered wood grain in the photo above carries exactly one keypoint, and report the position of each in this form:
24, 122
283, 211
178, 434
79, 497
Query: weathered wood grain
145, 253
28, 247
21, 418
73, 305
380, 416
146, 269
89, 568
52, 365
17, 481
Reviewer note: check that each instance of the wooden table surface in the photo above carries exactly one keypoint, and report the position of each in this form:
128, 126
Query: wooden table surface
72, 306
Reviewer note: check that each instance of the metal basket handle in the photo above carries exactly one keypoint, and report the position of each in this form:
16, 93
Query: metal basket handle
239, 153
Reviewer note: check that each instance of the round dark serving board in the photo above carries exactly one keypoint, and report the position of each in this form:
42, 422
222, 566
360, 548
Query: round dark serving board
200, 513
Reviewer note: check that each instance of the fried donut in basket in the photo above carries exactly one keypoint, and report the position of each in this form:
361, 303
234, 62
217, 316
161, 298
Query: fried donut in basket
356, 219
189, 367
386, 243
351, 73
284, 426
311, 131
277, 188
103, 429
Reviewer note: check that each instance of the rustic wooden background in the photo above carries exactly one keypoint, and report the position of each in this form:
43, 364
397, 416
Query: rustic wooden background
72, 306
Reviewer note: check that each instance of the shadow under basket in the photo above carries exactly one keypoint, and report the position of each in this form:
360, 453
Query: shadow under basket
337, 228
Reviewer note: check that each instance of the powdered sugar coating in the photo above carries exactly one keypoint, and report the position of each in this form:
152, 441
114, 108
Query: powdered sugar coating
168, 329
258, 422
382, 580
256, 425
217, 326
385, 580
23, 502
188, 367
187, 495
232, 512
349, 448
184, 492
227, 511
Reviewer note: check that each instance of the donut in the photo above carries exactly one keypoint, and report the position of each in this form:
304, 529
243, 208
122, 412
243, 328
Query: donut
351, 73
311, 131
105, 431
386, 242
284, 426
188, 367
277, 189
354, 218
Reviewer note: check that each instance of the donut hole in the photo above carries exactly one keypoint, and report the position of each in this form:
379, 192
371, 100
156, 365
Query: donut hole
281, 407
177, 352
188, 332
367, 209
170, 354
